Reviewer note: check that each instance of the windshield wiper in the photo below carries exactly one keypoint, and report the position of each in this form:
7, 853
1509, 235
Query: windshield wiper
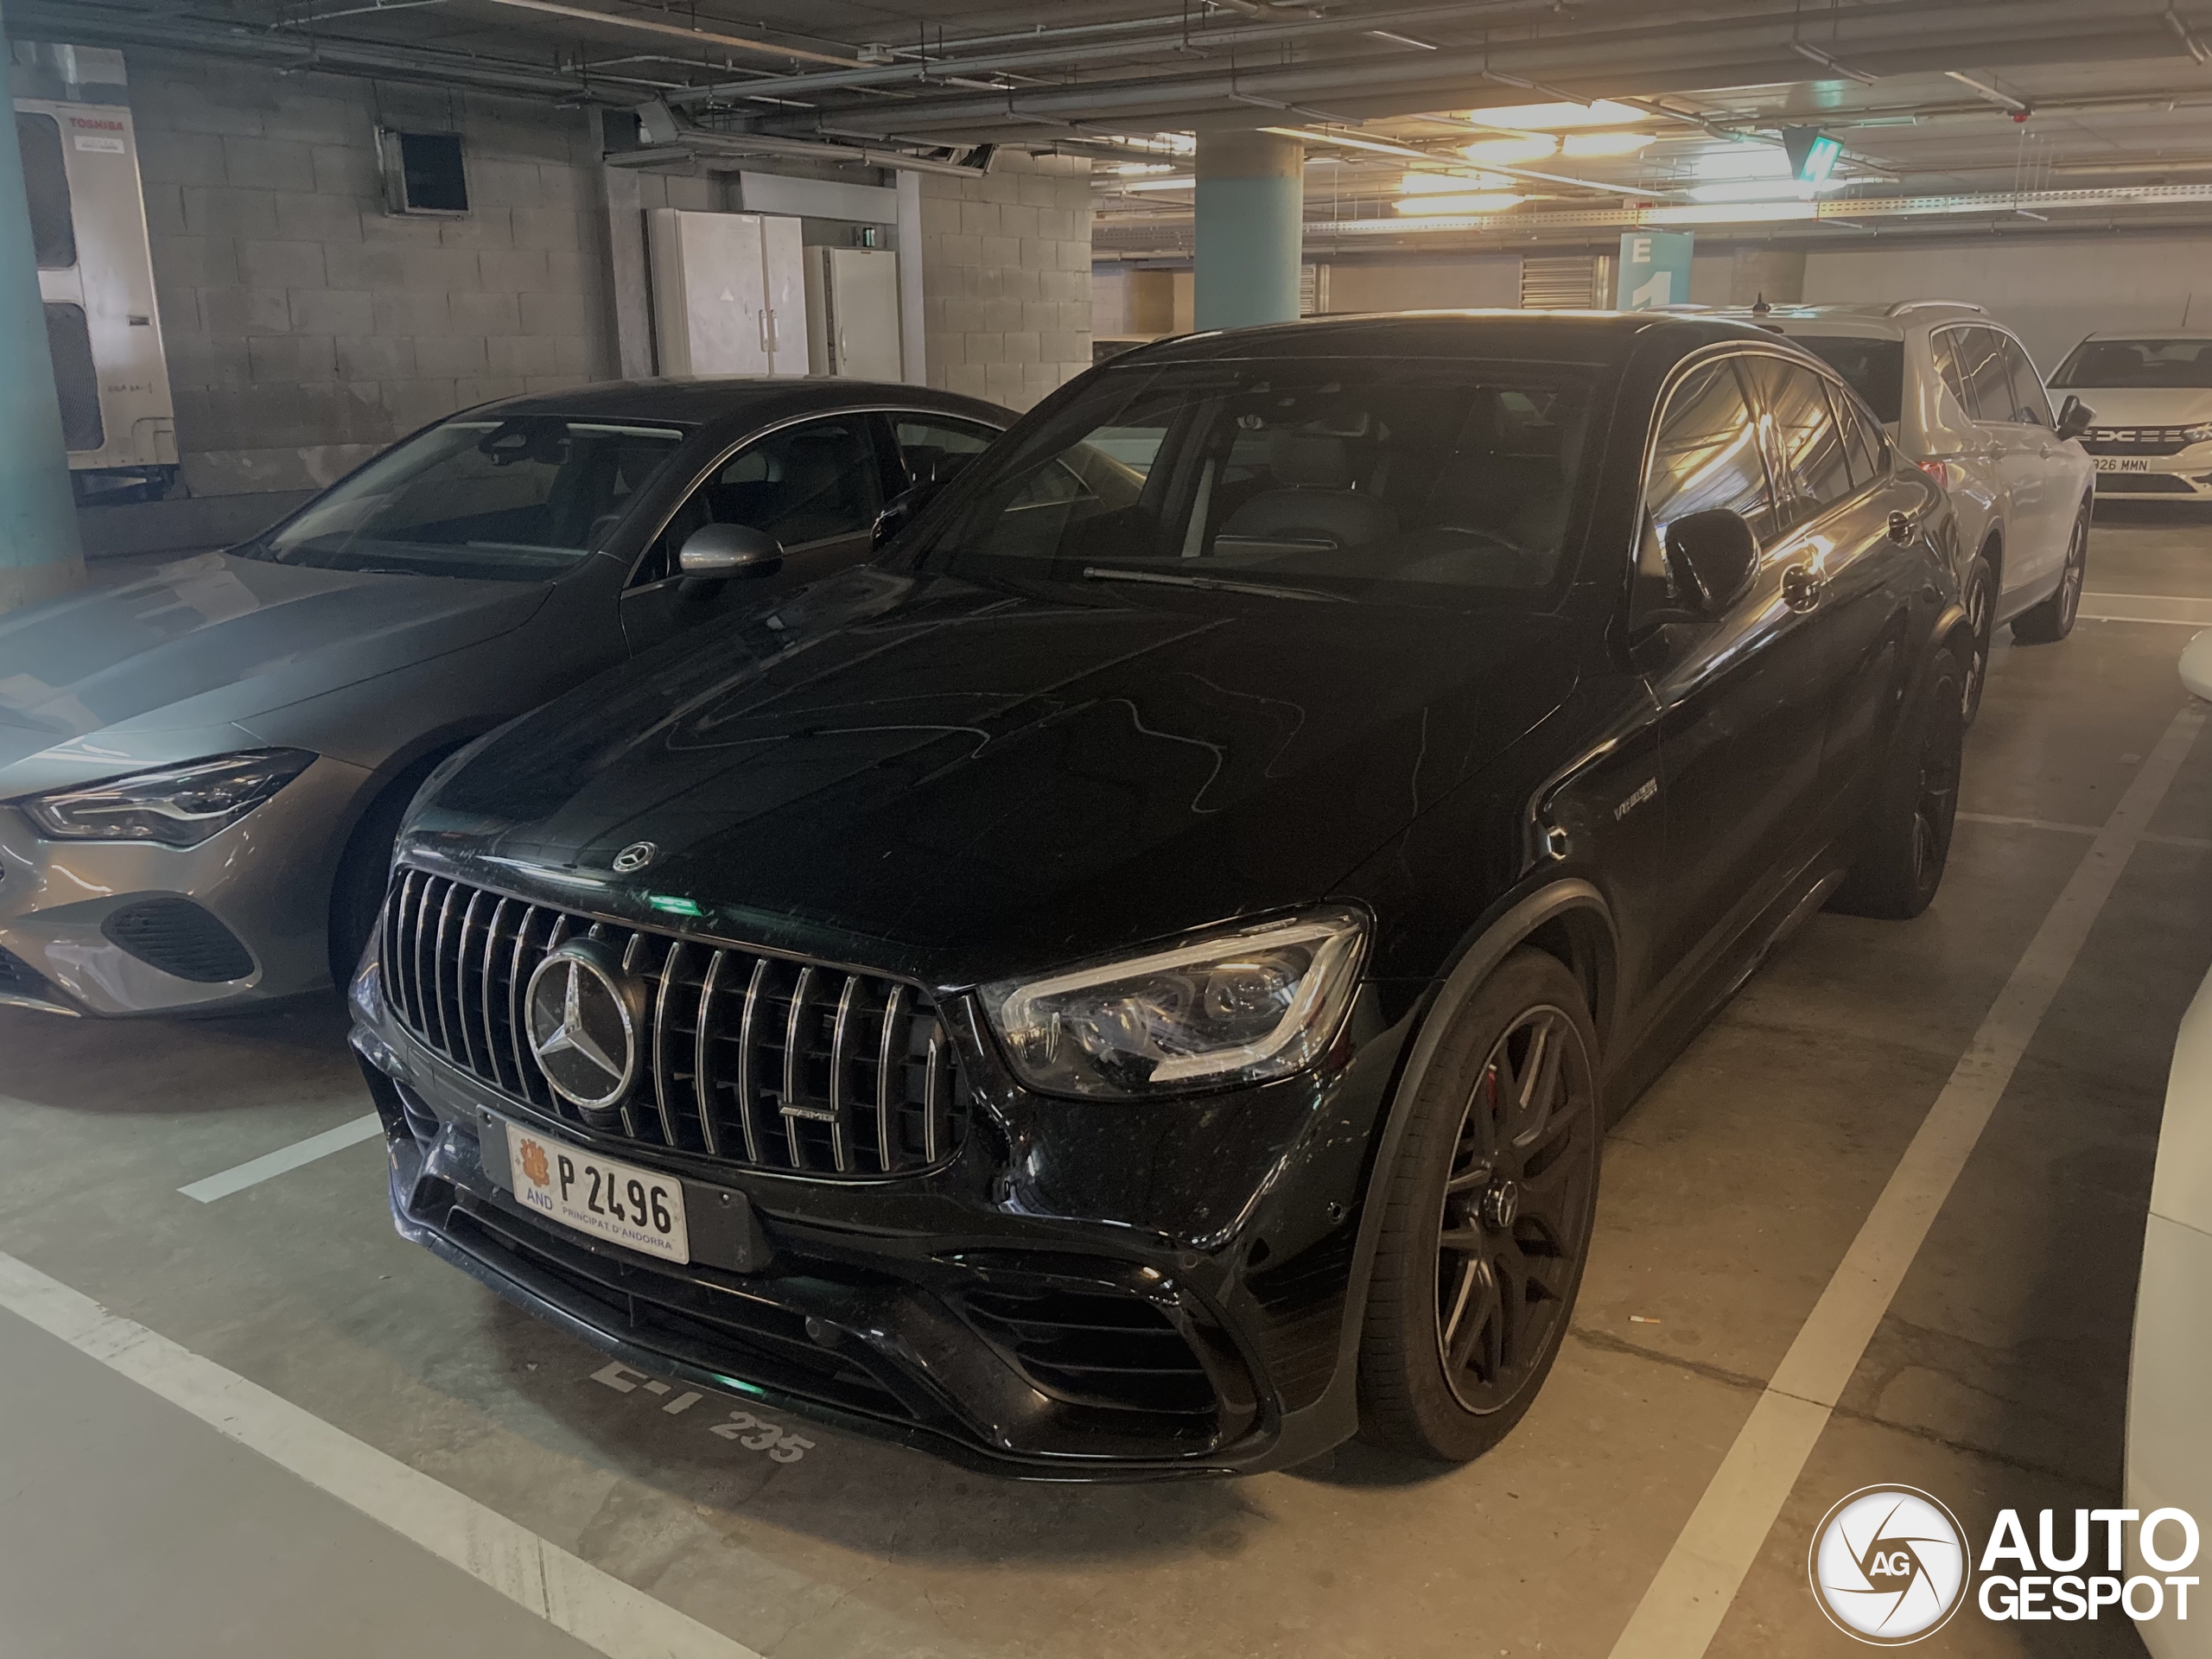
1211, 584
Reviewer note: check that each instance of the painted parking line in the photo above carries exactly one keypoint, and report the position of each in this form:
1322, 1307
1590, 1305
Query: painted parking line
2199, 843
2146, 607
567, 1592
257, 1170
1698, 1579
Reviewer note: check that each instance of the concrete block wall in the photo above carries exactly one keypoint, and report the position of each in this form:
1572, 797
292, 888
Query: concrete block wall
305, 326
1006, 277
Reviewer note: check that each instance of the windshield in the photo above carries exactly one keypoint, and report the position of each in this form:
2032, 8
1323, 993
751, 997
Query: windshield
514, 500
1875, 369
2181, 363
1440, 483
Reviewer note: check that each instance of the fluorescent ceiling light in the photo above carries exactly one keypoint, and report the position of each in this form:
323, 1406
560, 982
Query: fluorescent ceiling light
1448, 184
1348, 140
1185, 183
1742, 162
1134, 170
1519, 146
1487, 201
1557, 116
1746, 213
1599, 146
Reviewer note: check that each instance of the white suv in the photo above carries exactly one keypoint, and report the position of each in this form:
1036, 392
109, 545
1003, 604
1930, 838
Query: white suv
1961, 397
2152, 434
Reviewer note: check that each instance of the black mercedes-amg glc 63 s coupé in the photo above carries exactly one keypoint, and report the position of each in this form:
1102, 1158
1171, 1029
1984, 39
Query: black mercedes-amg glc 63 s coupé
1132, 982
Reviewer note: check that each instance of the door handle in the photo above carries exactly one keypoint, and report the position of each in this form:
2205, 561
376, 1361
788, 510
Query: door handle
1801, 587
1901, 527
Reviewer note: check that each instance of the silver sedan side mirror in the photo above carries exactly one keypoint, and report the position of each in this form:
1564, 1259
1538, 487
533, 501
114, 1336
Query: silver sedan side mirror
718, 552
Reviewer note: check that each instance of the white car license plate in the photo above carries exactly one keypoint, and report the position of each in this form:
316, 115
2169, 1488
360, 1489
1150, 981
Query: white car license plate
2122, 464
635, 1208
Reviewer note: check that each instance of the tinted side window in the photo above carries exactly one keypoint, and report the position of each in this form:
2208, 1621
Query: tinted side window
1705, 455
931, 447
1989, 381
1814, 475
806, 483
1863, 441
1946, 346
2030, 405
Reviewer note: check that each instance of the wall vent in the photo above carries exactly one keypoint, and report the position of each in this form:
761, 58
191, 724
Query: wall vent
1568, 284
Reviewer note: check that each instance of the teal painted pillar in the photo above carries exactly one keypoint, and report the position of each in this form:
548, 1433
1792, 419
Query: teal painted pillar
1251, 211
39, 553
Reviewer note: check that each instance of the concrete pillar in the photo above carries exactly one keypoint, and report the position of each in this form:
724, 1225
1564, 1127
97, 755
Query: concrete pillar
39, 553
1250, 208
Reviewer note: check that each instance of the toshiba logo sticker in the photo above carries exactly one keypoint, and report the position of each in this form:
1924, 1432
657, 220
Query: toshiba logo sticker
1890, 1565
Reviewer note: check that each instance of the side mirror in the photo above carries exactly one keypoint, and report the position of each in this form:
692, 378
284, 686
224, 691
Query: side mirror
1711, 556
718, 552
902, 511
2196, 665
2075, 417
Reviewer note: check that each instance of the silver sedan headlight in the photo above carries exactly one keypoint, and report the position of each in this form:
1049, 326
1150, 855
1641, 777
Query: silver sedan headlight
177, 806
2197, 434
1240, 1006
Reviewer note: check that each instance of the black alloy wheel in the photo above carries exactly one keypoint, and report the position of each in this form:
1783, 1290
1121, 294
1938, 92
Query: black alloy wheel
1908, 837
1515, 1212
1489, 1213
2053, 620
1980, 597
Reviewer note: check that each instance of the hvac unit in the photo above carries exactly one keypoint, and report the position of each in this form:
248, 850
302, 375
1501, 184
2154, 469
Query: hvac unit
851, 312
1570, 283
95, 272
729, 296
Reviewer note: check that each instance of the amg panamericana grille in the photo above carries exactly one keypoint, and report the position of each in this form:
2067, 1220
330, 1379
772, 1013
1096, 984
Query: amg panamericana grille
751, 1059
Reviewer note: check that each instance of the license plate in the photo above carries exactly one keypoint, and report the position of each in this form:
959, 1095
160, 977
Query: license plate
636, 1208
2122, 464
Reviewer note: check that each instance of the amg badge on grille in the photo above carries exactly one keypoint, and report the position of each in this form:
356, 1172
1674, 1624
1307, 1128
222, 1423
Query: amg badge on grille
583, 1023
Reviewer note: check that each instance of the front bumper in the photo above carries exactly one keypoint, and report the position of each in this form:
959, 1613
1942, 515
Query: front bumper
2184, 476
92, 927
1180, 1306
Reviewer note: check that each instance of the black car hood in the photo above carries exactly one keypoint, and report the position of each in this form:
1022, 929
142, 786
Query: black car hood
951, 782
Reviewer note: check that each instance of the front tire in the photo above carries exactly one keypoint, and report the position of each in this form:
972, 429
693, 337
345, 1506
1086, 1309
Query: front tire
1981, 593
1487, 1219
1909, 834
2053, 618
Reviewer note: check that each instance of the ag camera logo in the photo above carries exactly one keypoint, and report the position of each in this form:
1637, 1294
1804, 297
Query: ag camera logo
1889, 1565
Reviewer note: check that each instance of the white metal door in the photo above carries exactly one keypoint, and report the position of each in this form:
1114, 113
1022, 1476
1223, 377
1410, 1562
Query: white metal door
709, 293
853, 313
784, 272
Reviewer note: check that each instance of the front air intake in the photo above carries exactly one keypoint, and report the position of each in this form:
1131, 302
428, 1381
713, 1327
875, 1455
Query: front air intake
177, 936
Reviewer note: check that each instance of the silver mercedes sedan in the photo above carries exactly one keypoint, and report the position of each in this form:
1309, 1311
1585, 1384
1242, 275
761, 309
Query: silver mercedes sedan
201, 771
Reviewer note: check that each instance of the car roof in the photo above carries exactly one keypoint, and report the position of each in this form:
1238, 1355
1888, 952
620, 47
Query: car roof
2149, 334
1556, 336
733, 399
1877, 320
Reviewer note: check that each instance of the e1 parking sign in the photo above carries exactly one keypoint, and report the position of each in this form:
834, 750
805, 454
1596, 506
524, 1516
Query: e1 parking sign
1655, 270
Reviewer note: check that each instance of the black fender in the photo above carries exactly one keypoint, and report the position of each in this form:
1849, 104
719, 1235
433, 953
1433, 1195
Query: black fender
1334, 1417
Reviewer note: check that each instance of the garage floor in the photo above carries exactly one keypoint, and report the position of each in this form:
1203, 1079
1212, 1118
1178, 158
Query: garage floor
129, 1524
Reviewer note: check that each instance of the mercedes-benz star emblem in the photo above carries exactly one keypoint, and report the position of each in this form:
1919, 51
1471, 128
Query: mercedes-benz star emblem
583, 1025
635, 857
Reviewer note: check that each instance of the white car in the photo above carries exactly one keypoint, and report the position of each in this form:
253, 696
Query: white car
2152, 394
1961, 397
2169, 1460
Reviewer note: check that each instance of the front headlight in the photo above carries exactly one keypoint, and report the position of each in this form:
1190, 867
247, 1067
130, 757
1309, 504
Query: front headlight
2198, 434
1240, 1006
178, 806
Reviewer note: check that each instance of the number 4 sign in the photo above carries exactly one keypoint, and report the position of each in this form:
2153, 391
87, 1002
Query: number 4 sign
1655, 270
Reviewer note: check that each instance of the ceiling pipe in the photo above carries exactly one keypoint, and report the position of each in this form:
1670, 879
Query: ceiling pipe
670, 135
1682, 53
937, 69
696, 36
87, 24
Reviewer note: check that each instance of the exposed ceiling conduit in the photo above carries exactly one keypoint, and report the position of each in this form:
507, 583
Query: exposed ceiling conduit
696, 36
670, 137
